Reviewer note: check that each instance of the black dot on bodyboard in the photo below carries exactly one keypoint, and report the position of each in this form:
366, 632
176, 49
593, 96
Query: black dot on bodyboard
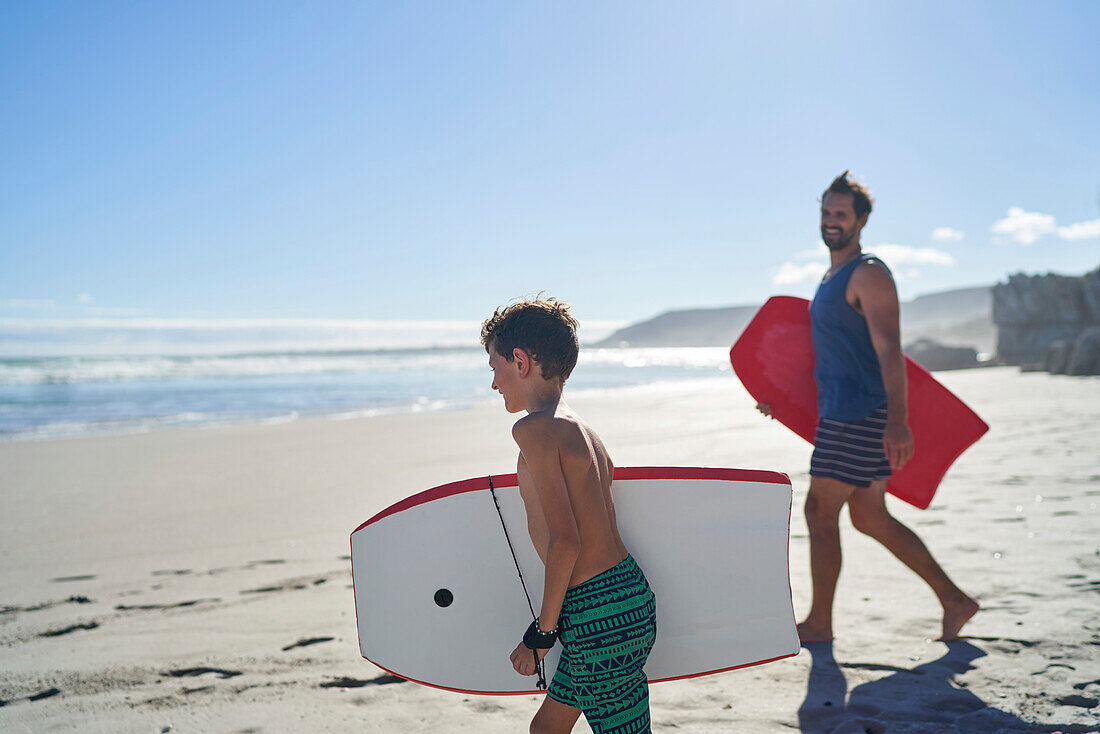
444, 597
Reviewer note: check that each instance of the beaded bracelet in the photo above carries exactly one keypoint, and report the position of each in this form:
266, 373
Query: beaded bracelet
535, 639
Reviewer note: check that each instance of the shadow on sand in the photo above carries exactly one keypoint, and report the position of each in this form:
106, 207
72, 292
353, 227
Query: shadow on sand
922, 699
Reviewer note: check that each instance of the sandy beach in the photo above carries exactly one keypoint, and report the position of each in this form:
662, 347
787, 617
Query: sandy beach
197, 580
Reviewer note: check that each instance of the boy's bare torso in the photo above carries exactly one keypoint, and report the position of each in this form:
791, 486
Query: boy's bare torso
587, 471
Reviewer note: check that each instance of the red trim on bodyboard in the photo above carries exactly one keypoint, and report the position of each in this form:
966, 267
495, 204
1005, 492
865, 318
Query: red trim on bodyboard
501, 481
537, 691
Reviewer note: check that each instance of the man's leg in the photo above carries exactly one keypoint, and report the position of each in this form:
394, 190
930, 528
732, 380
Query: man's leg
867, 508
823, 503
554, 717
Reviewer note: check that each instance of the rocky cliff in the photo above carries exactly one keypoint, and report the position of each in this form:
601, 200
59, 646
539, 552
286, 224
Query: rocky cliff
1041, 318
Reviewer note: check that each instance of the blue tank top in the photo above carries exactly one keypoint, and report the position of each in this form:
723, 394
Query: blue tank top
846, 367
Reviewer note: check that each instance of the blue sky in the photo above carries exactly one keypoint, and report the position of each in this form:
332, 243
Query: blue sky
332, 160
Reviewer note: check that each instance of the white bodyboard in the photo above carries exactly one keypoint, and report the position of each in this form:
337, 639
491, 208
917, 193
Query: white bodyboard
438, 599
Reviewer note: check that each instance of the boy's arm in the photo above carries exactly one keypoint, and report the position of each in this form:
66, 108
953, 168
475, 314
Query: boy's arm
540, 452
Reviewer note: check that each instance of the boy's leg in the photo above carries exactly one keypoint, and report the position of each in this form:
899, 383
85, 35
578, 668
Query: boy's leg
823, 503
867, 508
554, 717
624, 709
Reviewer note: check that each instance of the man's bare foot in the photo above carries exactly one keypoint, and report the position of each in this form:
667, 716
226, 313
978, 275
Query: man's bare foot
955, 616
808, 632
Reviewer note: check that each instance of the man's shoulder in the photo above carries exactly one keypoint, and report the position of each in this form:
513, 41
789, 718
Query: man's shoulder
870, 262
871, 290
872, 272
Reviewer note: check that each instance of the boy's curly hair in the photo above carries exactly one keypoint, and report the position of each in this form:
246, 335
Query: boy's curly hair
543, 327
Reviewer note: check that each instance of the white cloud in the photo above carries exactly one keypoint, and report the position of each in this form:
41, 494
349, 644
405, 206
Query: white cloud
797, 271
813, 253
905, 255
1023, 226
947, 234
84, 298
1080, 231
791, 273
106, 311
30, 303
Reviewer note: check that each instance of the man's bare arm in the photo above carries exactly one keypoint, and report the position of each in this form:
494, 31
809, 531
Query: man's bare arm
877, 299
539, 448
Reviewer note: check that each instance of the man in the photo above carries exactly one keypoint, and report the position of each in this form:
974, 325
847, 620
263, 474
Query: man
862, 431
595, 597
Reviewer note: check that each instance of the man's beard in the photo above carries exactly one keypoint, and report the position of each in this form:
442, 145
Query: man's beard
842, 240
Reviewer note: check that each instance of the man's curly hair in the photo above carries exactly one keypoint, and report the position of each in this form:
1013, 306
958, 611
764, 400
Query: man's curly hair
845, 183
543, 327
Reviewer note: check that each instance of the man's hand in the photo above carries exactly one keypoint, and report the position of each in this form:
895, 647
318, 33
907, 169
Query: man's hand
898, 442
523, 659
765, 409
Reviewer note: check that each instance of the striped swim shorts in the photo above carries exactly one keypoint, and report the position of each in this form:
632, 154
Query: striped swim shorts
851, 452
608, 624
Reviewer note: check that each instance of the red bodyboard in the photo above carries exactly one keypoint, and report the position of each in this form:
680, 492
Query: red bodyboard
774, 357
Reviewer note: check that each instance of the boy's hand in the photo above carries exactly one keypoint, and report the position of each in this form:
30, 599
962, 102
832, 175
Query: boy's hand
765, 409
523, 659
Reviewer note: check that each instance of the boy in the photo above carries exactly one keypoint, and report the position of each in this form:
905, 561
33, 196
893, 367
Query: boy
595, 598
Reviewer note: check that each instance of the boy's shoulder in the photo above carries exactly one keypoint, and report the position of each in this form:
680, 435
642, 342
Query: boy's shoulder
545, 428
535, 426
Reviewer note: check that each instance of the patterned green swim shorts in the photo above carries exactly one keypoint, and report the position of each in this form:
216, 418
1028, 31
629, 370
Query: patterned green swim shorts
608, 625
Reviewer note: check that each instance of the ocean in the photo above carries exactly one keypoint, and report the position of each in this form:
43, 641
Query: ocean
72, 378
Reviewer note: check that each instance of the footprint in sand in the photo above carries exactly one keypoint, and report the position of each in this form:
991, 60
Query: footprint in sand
290, 585
45, 693
1086, 586
307, 642
1007, 645
485, 707
192, 672
381, 680
200, 689
75, 599
176, 605
69, 629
